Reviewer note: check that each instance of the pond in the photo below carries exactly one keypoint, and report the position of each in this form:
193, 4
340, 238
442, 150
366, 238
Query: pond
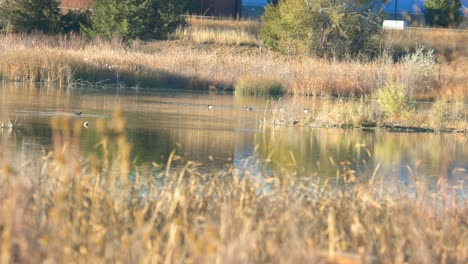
159, 122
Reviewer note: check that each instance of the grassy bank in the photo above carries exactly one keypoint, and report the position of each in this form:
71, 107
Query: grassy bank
391, 110
187, 63
63, 207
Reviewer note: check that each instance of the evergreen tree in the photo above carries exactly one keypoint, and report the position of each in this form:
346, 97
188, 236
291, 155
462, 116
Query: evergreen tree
132, 19
443, 13
33, 16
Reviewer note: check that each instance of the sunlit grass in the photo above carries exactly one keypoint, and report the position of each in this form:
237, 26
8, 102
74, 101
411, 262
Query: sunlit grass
252, 85
177, 64
392, 110
63, 207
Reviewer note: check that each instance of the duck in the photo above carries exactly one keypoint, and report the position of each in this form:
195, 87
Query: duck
78, 113
248, 108
210, 107
86, 124
306, 111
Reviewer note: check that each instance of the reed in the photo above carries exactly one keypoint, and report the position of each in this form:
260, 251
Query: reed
393, 110
263, 86
58, 208
447, 43
185, 65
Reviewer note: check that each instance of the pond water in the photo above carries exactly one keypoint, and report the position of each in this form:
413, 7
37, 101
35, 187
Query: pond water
159, 122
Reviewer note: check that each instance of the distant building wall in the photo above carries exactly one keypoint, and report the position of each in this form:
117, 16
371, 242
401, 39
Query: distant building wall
229, 8
75, 3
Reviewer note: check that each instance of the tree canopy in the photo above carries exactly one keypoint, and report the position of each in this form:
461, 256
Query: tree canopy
443, 13
323, 28
132, 19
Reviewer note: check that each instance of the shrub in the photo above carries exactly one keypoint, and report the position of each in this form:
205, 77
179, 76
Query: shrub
443, 13
393, 100
323, 28
258, 86
440, 112
419, 71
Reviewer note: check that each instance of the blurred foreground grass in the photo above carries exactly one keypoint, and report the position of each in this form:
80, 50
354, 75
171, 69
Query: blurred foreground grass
65, 208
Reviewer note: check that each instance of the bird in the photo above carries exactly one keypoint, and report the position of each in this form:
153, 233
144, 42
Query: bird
78, 113
248, 108
210, 107
306, 111
86, 124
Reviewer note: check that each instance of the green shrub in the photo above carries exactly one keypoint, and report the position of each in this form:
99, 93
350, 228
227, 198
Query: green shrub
393, 100
333, 29
443, 13
258, 86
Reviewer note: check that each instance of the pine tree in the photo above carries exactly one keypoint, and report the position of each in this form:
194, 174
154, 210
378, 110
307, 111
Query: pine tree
443, 13
34, 16
132, 19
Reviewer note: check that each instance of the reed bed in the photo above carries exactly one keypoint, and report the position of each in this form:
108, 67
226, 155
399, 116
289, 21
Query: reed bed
263, 86
392, 111
216, 36
58, 208
180, 65
449, 44
188, 65
226, 31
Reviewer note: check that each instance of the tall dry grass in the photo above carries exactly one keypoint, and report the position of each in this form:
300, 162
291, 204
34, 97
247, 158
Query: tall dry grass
60, 208
181, 64
449, 44
226, 31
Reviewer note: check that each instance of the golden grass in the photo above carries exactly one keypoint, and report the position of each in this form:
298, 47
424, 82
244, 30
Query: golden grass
60, 208
263, 86
216, 36
450, 45
251, 26
390, 112
183, 64
226, 31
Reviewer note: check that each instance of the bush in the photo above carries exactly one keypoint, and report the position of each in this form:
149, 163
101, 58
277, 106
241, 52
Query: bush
419, 74
258, 86
323, 28
443, 13
393, 100
440, 113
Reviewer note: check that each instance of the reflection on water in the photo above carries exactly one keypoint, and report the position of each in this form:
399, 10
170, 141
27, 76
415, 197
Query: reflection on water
162, 121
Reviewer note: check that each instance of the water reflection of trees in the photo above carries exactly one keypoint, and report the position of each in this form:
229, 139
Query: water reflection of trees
326, 151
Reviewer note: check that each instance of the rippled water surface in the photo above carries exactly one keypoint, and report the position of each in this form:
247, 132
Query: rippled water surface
162, 121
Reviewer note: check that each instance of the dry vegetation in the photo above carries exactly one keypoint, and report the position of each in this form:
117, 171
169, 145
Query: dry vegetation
392, 111
185, 63
62, 209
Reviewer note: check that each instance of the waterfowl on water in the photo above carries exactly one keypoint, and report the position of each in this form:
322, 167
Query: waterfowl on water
78, 113
210, 107
10, 124
86, 124
248, 108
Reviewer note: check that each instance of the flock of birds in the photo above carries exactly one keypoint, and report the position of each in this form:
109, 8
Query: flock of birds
210, 107
248, 108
